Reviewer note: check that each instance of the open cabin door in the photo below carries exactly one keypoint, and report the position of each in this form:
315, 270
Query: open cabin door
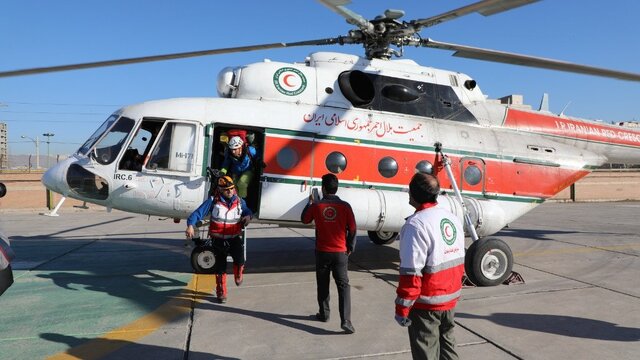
248, 182
287, 179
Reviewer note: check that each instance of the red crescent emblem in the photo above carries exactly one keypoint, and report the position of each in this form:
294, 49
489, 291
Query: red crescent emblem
447, 231
329, 213
285, 80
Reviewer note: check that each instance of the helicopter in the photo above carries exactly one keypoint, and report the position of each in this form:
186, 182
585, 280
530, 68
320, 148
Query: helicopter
373, 120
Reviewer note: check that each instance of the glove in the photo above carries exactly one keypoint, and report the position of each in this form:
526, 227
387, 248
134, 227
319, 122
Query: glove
403, 321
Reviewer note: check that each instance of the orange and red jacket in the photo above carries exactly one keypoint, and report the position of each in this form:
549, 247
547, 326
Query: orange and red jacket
335, 224
225, 215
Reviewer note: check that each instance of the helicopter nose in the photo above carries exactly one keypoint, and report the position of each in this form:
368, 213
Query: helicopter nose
54, 178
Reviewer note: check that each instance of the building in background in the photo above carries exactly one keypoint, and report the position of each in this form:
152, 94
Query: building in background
631, 124
4, 148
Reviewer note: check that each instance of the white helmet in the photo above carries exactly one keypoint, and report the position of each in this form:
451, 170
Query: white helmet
235, 143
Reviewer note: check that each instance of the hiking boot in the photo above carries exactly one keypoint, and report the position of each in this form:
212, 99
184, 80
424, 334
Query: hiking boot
221, 288
348, 327
238, 271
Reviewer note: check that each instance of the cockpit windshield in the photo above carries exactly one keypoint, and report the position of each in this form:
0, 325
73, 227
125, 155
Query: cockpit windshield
108, 147
84, 149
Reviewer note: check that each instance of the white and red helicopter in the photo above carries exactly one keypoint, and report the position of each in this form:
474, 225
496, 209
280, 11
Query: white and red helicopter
371, 120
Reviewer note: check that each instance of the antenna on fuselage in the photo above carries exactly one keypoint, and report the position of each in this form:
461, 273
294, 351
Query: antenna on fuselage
564, 108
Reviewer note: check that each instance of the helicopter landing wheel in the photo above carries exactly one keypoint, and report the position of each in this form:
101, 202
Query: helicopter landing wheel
202, 260
488, 262
382, 237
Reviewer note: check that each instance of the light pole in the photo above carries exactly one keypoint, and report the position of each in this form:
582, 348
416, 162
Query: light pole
48, 135
37, 141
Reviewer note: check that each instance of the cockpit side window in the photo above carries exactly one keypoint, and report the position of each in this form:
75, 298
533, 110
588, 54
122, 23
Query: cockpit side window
175, 149
140, 146
108, 148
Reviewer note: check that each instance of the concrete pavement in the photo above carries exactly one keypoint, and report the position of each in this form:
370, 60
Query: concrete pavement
119, 286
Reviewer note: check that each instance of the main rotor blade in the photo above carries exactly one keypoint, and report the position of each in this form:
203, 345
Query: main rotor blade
486, 8
353, 18
41, 70
526, 60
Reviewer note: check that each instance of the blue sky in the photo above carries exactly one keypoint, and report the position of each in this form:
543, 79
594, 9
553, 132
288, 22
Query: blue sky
73, 104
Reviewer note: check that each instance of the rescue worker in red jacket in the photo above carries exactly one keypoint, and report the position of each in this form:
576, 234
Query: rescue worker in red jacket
335, 241
431, 269
229, 214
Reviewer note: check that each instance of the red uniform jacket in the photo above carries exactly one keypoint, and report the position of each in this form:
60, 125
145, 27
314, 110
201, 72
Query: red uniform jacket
335, 224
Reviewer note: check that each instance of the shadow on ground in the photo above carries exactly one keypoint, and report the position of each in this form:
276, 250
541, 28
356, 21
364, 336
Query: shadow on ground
561, 325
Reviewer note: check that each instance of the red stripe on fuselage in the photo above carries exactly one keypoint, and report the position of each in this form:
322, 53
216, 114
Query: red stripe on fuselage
584, 130
501, 177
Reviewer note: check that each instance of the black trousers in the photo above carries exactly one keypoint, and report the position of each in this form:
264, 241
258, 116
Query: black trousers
336, 263
223, 247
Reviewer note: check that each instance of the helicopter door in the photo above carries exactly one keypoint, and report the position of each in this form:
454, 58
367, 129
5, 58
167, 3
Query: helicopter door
252, 138
472, 175
286, 181
166, 182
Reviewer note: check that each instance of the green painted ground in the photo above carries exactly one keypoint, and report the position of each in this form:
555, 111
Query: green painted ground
80, 287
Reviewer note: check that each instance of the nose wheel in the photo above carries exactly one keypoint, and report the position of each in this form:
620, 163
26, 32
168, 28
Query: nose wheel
488, 262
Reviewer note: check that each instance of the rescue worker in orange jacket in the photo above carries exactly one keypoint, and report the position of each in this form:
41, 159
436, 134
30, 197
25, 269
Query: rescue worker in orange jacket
431, 269
229, 214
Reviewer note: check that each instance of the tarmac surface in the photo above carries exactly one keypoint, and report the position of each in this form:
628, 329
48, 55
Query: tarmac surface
97, 285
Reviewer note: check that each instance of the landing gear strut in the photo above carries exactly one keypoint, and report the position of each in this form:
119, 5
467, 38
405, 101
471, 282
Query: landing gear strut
488, 262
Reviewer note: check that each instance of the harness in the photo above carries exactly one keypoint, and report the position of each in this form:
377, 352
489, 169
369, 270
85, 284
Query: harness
225, 219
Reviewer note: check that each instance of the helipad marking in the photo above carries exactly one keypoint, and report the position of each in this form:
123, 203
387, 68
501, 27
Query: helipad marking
198, 287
